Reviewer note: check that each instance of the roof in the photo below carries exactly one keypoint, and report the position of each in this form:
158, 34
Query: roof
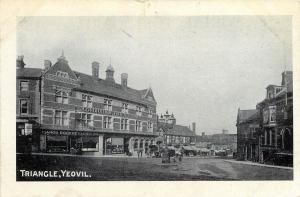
244, 115
29, 72
177, 130
88, 83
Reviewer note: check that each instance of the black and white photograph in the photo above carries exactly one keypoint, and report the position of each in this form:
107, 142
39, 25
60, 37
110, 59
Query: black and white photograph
154, 98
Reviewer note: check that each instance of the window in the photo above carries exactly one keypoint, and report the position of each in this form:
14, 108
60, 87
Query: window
86, 120
124, 124
138, 125
61, 97
24, 106
89, 144
86, 100
24, 86
135, 145
107, 104
64, 118
107, 122
138, 110
272, 111
61, 118
125, 108
150, 113
150, 126
62, 74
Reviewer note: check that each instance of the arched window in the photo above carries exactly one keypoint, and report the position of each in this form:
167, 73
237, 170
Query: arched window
135, 144
142, 144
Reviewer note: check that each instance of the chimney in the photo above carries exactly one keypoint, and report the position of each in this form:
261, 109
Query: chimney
20, 62
194, 127
95, 69
47, 64
124, 78
203, 134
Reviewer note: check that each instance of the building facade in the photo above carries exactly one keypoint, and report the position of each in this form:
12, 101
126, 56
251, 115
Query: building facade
76, 111
173, 134
276, 121
268, 129
248, 135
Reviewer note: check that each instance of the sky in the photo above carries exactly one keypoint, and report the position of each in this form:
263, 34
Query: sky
201, 68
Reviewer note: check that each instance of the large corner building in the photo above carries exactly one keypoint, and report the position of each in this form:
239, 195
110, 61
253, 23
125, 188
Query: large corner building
59, 109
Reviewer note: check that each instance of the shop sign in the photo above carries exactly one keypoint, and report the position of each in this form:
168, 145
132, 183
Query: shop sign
69, 133
102, 111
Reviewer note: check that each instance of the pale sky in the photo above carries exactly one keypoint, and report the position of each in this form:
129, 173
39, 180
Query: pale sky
201, 68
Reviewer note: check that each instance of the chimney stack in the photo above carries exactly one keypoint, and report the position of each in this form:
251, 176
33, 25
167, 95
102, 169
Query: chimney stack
95, 69
194, 127
124, 78
47, 64
20, 62
203, 134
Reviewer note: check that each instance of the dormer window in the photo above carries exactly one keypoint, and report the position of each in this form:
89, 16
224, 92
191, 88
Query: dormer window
62, 74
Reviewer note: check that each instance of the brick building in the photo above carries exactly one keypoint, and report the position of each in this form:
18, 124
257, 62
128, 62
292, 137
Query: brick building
72, 110
247, 135
267, 131
174, 134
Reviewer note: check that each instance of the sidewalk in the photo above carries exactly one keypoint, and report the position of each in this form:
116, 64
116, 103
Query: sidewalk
259, 164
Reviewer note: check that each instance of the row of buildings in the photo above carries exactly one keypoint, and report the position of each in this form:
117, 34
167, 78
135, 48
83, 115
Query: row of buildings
265, 134
59, 110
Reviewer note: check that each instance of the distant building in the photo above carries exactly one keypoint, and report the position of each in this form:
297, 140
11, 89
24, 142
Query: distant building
222, 141
247, 135
174, 134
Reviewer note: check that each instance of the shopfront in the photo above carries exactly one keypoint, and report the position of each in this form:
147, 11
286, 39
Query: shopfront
54, 141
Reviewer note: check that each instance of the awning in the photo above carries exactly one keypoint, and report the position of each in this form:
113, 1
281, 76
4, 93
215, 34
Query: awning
171, 148
187, 148
204, 150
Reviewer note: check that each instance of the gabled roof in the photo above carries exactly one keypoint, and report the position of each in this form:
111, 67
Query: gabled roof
29, 72
103, 87
244, 115
176, 130
61, 65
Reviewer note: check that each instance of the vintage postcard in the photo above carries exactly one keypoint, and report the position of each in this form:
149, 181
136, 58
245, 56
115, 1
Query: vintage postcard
152, 96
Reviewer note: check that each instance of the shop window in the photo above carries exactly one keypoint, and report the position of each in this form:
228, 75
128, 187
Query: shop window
142, 144
107, 122
61, 97
24, 86
57, 144
24, 106
108, 104
89, 143
124, 124
125, 108
61, 118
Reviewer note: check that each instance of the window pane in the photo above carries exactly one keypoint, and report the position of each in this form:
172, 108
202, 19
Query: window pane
24, 107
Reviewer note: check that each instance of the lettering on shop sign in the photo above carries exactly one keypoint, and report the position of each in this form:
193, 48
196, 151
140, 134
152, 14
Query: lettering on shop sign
102, 111
73, 133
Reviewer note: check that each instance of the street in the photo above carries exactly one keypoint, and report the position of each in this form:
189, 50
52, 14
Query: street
146, 169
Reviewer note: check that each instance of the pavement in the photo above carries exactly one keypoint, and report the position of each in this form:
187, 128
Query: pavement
149, 169
259, 164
